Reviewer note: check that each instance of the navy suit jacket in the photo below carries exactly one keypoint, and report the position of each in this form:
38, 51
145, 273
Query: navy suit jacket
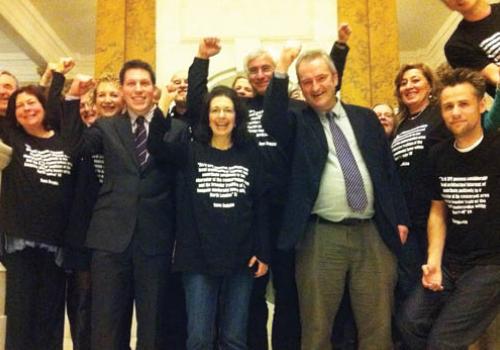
298, 128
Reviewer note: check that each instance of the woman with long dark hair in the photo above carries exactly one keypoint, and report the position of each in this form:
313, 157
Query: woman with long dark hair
221, 236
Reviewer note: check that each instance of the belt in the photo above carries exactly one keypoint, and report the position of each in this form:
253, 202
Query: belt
345, 222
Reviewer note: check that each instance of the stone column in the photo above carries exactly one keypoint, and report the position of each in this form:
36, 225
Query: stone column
125, 29
373, 60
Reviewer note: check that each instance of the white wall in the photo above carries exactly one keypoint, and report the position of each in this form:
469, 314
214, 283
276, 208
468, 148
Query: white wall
242, 25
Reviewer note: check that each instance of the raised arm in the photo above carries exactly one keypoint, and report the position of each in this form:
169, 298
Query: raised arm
198, 77
275, 119
54, 78
72, 127
340, 50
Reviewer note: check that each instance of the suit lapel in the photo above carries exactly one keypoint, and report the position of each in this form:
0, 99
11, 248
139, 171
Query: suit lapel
317, 128
124, 130
357, 124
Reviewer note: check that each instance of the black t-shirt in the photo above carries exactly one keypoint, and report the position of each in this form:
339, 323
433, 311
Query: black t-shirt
469, 183
36, 187
410, 149
221, 200
476, 44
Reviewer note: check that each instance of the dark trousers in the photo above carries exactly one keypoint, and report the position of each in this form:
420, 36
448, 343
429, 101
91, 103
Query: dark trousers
286, 321
78, 300
455, 317
176, 317
117, 280
34, 301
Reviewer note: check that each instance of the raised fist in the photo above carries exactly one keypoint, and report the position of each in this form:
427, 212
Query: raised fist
209, 47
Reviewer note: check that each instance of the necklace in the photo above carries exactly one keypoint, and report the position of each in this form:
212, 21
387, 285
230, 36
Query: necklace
415, 116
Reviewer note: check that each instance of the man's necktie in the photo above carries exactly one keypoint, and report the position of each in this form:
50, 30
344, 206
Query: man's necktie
355, 190
140, 142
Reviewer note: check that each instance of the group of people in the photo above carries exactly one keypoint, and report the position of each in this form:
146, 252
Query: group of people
185, 204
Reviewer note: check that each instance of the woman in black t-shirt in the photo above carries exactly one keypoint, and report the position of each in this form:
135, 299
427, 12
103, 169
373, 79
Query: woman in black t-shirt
221, 235
419, 129
36, 188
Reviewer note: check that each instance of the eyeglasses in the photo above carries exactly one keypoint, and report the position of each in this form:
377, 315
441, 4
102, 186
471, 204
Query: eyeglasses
225, 111
263, 69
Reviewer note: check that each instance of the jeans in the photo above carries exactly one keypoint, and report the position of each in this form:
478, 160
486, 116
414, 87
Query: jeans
455, 317
225, 298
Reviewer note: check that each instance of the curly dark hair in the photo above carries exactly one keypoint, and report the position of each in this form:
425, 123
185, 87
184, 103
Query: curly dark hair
33, 90
239, 135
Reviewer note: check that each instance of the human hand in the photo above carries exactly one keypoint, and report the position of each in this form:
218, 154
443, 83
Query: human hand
65, 65
432, 277
344, 33
288, 54
209, 47
261, 267
403, 233
81, 85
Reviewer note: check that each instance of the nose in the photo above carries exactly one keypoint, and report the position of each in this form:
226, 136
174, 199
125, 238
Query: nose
315, 85
260, 74
455, 111
138, 86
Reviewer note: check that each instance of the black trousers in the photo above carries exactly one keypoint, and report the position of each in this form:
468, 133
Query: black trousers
34, 301
78, 300
119, 279
286, 322
176, 317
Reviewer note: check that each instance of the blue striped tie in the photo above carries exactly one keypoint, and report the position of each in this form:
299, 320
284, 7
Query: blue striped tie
140, 142
354, 188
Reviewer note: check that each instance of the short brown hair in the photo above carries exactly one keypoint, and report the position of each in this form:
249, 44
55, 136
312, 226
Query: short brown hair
452, 77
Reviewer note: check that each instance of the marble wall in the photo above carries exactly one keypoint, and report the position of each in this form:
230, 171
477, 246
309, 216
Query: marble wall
166, 33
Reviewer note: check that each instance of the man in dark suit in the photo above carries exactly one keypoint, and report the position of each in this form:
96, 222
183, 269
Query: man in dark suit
131, 227
345, 213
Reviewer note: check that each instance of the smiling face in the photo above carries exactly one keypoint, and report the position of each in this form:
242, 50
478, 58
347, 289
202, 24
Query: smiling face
7, 87
461, 110
138, 90
260, 72
30, 113
462, 6
414, 89
179, 83
243, 88
318, 83
385, 115
108, 99
221, 117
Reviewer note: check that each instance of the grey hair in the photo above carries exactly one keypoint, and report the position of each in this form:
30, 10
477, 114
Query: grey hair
6, 72
256, 54
311, 55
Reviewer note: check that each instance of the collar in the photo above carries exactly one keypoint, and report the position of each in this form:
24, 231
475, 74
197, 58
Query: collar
148, 115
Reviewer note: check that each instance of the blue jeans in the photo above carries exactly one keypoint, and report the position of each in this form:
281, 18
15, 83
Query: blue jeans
223, 298
455, 317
